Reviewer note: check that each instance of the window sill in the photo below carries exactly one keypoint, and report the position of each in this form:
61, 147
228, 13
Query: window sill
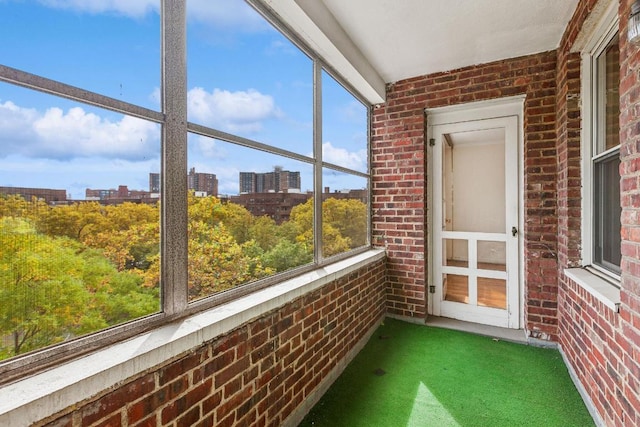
602, 290
49, 392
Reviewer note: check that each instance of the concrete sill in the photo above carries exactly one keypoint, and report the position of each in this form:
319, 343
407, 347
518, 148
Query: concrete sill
602, 290
40, 396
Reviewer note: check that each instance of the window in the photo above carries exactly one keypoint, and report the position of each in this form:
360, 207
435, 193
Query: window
137, 187
602, 208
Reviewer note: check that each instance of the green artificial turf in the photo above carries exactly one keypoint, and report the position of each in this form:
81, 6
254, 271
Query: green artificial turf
412, 375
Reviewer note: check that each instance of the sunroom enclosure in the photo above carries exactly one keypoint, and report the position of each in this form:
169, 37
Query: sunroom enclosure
263, 354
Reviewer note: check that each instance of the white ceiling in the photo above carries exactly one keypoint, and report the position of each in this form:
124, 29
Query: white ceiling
373, 42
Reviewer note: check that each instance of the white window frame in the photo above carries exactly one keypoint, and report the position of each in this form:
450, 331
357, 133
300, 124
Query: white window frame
602, 34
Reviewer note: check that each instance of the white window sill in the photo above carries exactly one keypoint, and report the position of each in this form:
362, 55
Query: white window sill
602, 290
37, 397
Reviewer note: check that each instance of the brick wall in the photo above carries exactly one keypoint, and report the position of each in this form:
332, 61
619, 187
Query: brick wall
257, 374
628, 335
400, 182
602, 346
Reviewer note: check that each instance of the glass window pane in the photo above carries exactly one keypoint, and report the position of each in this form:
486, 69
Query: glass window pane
257, 223
607, 239
344, 127
474, 181
456, 288
75, 43
492, 255
456, 252
492, 292
345, 213
79, 229
608, 96
246, 78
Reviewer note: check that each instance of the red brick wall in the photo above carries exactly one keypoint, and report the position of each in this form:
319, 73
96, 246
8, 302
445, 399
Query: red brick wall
602, 346
258, 374
629, 340
399, 178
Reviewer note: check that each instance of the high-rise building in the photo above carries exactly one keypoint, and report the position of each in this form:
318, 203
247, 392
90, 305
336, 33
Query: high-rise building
202, 183
247, 182
154, 182
277, 181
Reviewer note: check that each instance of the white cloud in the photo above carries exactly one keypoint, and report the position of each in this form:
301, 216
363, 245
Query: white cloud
75, 133
354, 112
130, 8
228, 179
242, 111
206, 147
235, 15
356, 160
15, 126
281, 46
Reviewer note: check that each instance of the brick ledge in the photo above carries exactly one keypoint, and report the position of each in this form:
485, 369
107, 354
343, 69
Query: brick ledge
602, 290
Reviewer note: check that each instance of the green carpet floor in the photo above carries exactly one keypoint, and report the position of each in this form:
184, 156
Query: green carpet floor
412, 375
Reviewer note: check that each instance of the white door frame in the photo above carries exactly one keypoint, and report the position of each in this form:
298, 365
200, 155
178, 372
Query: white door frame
483, 110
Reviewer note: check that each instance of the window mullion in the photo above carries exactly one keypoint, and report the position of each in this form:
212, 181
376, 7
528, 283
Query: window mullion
317, 154
173, 225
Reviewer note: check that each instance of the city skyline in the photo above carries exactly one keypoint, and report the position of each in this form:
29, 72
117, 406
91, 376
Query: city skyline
244, 78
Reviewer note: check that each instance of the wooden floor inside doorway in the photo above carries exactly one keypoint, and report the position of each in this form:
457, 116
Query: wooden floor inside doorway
491, 292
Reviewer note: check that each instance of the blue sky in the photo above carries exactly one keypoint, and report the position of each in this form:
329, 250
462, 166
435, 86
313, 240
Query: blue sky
243, 78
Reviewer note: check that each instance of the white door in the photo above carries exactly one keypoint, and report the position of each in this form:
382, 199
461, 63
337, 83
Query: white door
475, 221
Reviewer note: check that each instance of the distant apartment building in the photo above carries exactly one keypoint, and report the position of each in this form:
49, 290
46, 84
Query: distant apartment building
154, 183
203, 184
278, 206
49, 195
278, 181
360, 194
119, 195
274, 205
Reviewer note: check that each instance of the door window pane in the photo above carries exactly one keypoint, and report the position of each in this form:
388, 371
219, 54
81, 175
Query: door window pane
456, 252
474, 183
456, 288
492, 292
492, 255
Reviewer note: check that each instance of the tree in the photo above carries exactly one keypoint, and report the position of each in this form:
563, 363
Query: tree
287, 255
75, 221
42, 297
349, 217
264, 232
55, 288
216, 261
238, 220
16, 206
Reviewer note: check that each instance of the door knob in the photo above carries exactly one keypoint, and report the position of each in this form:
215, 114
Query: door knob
514, 231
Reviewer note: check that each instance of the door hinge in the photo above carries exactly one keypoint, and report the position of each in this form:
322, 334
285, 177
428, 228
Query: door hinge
432, 142
432, 289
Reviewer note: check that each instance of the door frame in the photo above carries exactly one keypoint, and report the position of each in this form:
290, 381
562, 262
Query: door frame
476, 111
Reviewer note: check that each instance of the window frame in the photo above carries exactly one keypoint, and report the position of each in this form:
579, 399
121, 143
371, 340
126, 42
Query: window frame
174, 304
591, 81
